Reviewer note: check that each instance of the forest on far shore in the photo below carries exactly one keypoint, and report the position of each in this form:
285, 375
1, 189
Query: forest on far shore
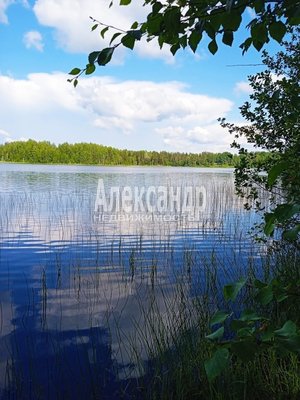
45, 152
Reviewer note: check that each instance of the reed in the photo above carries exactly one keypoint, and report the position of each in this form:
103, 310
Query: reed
122, 311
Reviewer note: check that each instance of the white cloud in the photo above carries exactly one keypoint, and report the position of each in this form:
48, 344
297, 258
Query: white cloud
4, 4
33, 39
70, 20
242, 88
4, 136
152, 50
133, 114
147, 101
209, 137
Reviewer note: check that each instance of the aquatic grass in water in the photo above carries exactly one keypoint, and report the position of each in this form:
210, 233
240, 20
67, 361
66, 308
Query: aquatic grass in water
117, 309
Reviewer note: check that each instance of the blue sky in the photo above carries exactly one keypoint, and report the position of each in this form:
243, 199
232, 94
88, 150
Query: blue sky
146, 99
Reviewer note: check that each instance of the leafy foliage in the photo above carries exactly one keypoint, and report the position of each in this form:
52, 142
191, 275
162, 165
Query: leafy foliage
252, 333
182, 23
89, 153
231, 291
273, 125
217, 363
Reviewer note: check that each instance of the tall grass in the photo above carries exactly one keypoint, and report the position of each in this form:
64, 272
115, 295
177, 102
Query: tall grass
176, 348
125, 314
154, 330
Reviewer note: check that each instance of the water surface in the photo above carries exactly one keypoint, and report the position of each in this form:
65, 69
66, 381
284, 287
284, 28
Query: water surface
74, 286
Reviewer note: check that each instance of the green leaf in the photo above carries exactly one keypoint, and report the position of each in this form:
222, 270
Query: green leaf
154, 24
277, 30
94, 27
125, 2
216, 365
161, 40
75, 83
249, 315
219, 317
265, 295
284, 212
114, 36
291, 343
276, 170
105, 56
137, 34
128, 41
194, 40
90, 68
246, 332
288, 329
213, 47
103, 31
183, 41
134, 25
75, 71
93, 57
259, 6
245, 46
267, 335
231, 291
227, 38
292, 234
174, 48
216, 20
216, 335
210, 30
156, 7
259, 32
269, 223
258, 44
172, 19
231, 21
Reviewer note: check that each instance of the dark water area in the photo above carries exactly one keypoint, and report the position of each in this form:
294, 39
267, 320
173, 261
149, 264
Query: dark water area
78, 276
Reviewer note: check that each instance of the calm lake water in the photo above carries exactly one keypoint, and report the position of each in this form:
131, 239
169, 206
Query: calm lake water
83, 250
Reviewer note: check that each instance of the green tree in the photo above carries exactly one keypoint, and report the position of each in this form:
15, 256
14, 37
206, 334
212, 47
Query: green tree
91, 153
185, 23
273, 124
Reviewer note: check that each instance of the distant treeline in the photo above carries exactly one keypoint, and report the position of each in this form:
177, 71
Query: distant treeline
95, 154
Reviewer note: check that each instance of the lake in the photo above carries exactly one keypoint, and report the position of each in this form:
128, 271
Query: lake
86, 252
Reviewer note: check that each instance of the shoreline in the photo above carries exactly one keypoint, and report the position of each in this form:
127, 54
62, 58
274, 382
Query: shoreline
120, 165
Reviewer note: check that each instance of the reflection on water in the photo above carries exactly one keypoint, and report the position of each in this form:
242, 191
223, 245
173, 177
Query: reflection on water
76, 291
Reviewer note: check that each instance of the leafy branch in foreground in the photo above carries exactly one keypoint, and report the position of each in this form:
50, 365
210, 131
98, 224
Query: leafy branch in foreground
252, 333
273, 124
184, 24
